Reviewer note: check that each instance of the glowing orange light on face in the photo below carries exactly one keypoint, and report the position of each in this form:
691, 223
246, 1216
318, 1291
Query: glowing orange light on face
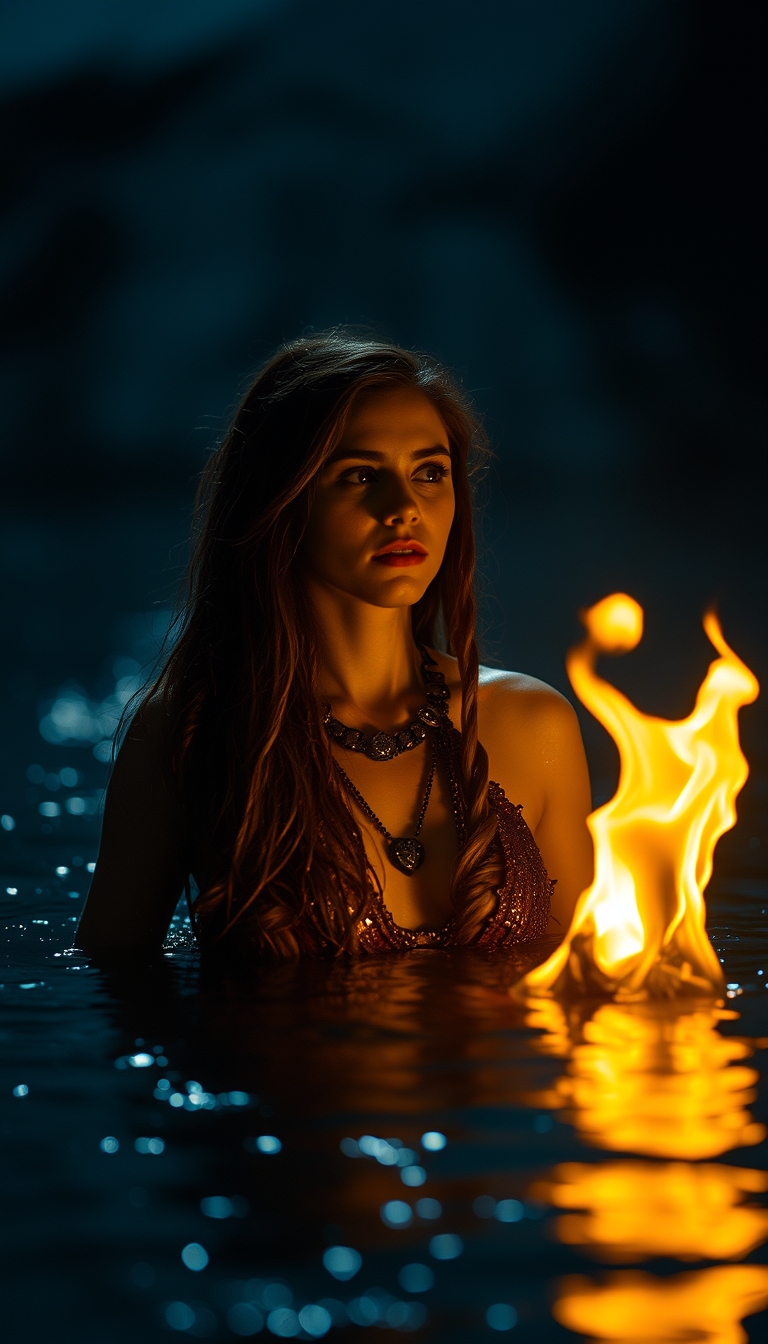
639, 930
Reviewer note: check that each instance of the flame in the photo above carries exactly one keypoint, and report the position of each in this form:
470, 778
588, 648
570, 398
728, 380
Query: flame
636, 1210
647, 1079
633, 1307
638, 930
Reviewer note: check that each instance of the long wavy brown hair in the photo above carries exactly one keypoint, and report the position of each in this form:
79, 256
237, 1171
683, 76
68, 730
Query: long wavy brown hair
249, 751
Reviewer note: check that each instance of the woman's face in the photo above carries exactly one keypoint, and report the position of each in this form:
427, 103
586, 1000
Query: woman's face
384, 502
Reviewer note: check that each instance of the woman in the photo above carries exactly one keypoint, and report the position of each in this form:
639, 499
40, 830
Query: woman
300, 753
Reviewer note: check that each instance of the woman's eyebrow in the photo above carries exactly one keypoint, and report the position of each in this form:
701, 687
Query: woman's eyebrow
430, 452
371, 455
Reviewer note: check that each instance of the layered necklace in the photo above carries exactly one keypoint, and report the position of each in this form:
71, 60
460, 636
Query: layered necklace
406, 852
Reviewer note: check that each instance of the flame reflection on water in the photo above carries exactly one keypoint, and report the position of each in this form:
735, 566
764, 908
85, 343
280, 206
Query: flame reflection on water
633, 1210
651, 1079
633, 1307
648, 1079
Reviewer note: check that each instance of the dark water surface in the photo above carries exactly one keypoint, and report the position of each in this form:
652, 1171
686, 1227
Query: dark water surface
643, 1127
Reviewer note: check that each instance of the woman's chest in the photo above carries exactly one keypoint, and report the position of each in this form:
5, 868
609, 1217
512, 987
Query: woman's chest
409, 801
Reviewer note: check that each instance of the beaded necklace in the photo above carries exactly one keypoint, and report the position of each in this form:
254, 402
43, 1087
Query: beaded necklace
385, 746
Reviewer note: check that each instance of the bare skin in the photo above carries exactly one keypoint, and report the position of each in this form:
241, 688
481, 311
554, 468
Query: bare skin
389, 482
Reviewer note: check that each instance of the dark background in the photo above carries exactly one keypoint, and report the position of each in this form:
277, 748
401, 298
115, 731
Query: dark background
564, 201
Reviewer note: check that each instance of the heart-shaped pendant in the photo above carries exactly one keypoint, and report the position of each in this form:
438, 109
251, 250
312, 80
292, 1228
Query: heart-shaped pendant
406, 854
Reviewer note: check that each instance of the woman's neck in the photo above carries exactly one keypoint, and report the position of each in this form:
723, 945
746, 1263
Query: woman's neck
369, 664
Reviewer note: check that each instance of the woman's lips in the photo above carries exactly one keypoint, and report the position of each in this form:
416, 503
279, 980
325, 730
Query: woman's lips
399, 555
398, 559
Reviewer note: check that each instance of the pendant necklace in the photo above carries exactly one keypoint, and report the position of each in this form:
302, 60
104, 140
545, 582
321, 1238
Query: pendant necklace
406, 852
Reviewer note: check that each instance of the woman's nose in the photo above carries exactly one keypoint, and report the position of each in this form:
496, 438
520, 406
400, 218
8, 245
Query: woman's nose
400, 505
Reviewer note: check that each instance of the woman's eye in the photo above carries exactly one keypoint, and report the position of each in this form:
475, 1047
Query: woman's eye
360, 475
432, 473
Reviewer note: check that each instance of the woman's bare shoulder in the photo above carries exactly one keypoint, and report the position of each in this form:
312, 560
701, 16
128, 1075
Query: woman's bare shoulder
501, 681
505, 692
512, 702
518, 690
518, 704
148, 736
144, 766
151, 718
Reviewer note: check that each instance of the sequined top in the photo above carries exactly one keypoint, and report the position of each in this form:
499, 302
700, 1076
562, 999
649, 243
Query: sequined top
523, 899
522, 907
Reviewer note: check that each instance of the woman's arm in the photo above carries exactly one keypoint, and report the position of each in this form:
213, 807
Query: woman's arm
142, 864
562, 835
536, 753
